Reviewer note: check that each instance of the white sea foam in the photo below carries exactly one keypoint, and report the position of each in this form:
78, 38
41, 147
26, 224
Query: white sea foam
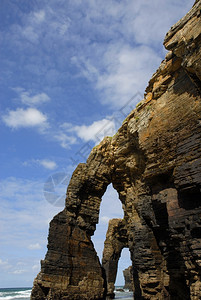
16, 294
10, 294
124, 295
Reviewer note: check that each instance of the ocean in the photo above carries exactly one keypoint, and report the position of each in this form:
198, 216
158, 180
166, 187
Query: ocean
15, 293
24, 294
126, 295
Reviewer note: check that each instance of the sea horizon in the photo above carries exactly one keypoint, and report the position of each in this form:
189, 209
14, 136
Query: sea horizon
24, 293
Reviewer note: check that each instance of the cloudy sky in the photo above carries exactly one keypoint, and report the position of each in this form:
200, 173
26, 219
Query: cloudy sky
70, 71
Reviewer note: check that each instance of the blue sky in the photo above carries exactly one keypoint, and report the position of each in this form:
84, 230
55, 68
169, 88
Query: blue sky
67, 72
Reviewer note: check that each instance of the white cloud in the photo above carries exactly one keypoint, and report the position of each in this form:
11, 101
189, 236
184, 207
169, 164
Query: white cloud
48, 23
18, 272
48, 164
36, 267
94, 132
68, 135
5, 266
116, 45
29, 33
3, 263
34, 100
87, 69
20, 118
128, 49
21, 263
127, 72
151, 30
28, 98
39, 16
64, 139
35, 246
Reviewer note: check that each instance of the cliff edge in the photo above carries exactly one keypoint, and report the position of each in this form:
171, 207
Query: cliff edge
154, 163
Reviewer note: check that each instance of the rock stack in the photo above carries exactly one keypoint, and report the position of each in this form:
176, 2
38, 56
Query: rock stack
128, 276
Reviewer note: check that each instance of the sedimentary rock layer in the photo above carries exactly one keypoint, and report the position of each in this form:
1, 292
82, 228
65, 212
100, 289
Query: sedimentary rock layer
154, 163
116, 240
128, 277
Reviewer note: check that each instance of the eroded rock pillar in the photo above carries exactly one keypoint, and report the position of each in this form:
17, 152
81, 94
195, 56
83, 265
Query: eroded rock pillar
116, 240
71, 269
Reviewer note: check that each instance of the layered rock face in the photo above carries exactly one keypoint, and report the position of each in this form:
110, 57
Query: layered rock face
71, 269
154, 163
116, 240
128, 277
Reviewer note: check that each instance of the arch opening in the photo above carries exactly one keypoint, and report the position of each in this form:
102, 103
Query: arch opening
123, 264
110, 207
111, 241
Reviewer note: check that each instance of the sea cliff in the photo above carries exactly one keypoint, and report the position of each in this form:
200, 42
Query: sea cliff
154, 163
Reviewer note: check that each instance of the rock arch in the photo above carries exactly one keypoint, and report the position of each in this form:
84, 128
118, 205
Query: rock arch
154, 163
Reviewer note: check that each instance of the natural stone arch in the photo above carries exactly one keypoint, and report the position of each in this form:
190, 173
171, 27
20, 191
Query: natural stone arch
154, 164
87, 186
71, 265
